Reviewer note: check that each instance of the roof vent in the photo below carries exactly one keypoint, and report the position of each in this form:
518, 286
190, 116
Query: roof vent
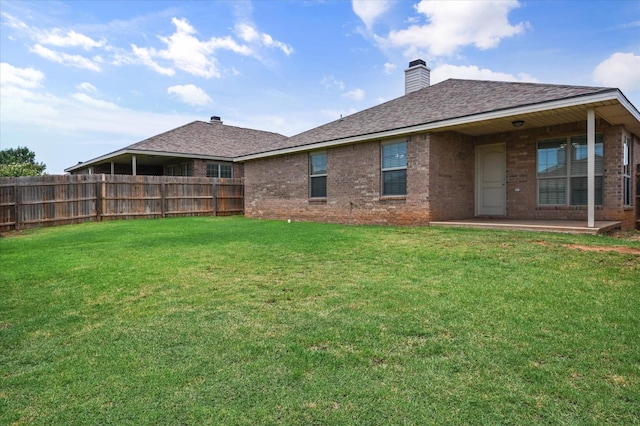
417, 76
215, 119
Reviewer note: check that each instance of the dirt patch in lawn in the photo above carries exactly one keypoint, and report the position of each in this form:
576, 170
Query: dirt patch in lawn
618, 249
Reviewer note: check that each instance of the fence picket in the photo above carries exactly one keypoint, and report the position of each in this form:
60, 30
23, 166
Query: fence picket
63, 199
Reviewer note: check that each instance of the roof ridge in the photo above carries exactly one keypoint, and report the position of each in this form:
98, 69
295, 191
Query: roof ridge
235, 127
532, 83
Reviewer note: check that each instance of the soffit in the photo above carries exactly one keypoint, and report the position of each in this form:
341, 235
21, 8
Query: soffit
610, 110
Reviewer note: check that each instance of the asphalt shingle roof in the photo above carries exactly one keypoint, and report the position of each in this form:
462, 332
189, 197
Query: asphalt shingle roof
449, 99
215, 139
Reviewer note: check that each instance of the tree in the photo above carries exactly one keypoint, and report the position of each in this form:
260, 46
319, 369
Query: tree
20, 162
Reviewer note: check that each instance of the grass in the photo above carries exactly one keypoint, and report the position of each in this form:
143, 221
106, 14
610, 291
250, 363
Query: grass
234, 321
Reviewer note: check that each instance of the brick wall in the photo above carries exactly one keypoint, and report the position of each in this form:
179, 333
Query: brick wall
440, 181
451, 168
278, 188
521, 182
199, 168
635, 178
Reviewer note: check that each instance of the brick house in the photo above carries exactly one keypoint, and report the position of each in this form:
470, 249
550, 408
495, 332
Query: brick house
459, 149
195, 149
454, 150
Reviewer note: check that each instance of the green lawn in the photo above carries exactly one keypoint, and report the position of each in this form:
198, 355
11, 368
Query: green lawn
236, 321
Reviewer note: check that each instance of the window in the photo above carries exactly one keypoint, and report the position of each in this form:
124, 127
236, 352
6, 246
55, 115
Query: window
394, 168
626, 171
183, 169
219, 170
318, 175
562, 171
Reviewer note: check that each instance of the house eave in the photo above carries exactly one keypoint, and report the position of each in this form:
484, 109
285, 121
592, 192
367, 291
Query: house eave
582, 102
123, 153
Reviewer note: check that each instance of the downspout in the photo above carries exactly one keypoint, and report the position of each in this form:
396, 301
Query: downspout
591, 167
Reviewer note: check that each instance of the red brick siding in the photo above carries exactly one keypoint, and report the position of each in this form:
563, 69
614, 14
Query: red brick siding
440, 181
451, 167
635, 177
278, 188
200, 168
521, 182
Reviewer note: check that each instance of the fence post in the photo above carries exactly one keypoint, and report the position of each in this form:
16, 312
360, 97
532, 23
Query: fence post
214, 196
100, 190
16, 192
163, 196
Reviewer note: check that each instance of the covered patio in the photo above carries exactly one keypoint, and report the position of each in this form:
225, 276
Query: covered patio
562, 226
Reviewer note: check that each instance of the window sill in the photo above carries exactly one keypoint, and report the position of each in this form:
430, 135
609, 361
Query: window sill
317, 201
393, 198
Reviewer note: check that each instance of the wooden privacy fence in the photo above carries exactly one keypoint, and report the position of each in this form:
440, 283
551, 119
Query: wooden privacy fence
27, 202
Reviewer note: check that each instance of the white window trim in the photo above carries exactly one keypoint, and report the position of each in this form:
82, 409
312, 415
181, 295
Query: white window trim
627, 167
218, 164
317, 175
567, 176
391, 169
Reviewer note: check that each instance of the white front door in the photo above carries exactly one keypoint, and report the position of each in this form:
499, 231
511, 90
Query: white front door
490, 180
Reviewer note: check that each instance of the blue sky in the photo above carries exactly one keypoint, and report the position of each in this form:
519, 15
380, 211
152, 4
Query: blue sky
79, 79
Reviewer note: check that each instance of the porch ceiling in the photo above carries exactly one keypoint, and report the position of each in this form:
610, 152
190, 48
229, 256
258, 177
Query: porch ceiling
144, 158
141, 159
610, 110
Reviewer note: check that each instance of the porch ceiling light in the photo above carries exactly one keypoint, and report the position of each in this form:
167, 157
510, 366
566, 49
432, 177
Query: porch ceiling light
517, 123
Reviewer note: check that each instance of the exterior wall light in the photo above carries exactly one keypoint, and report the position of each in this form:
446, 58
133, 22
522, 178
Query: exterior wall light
517, 123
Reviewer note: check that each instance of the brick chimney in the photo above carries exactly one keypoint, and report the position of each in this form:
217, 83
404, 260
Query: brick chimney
417, 76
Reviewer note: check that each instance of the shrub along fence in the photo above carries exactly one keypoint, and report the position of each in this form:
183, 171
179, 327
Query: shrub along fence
27, 202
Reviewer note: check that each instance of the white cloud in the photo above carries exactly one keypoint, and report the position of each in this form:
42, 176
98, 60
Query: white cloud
268, 41
355, 94
190, 94
13, 22
472, 72
186, 52
86, 87
368, 11
95, 103
145, 55
389, 67
330, 82
70, 39
251, 35
453, 25
77, 61
621, 70
247, 33
27, 78
79, 113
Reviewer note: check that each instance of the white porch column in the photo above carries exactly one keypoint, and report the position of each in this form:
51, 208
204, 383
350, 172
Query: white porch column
591, 168
113, 169
133, 165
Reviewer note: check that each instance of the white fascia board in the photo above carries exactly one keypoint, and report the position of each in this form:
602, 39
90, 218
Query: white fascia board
145, 153
628, 106
526, 109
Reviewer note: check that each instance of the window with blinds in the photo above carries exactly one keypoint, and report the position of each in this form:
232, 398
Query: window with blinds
394, 168
562, 170
318, 175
